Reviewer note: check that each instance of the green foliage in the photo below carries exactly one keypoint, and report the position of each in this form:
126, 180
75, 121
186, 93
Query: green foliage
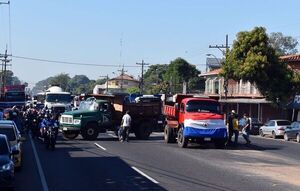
253, 59
179, 71
132, 90
153, 79
61, 80
10, 78
283, 45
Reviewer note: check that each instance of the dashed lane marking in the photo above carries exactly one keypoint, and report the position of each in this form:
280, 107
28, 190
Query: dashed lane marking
145, 175
99, 146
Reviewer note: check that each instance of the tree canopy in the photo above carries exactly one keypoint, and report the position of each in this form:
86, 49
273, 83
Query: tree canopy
252, 58
283, 45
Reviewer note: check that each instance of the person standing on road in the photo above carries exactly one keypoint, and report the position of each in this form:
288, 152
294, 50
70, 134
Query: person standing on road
230, 126
125, 124
246, 129
236, 131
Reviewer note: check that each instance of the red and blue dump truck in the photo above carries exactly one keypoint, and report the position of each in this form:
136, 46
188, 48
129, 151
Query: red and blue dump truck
194, 119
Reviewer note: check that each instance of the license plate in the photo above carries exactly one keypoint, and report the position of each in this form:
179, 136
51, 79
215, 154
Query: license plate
207, 139
65, 129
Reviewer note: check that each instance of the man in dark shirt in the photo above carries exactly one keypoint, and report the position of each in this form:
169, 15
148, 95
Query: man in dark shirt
230, 125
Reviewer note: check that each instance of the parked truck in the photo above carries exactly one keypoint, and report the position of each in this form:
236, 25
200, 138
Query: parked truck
193, 119
105, 113
13, 95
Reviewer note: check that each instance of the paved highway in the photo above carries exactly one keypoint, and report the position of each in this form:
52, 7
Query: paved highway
107, 164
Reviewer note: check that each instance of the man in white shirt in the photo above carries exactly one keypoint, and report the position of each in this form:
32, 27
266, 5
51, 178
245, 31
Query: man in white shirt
125, 124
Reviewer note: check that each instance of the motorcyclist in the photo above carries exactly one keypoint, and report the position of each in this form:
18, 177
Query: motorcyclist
48, 121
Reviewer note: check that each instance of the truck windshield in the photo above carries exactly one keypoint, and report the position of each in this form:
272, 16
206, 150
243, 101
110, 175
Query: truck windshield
15, 96
202, 106
58, 98
88, 106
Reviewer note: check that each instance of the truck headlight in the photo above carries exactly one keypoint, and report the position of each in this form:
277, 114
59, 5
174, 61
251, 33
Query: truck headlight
76, 121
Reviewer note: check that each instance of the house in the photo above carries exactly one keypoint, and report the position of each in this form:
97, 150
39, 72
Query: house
118, 84
293, 107
243, 97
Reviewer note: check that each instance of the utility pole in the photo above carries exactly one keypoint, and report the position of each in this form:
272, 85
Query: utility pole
142, 75
122, 75
225, 85
3, 74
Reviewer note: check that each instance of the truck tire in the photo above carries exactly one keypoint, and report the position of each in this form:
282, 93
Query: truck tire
143, 130
70, 136
169, 135
181, 140
90, 132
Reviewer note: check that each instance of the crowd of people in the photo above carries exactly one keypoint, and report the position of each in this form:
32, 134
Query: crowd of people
30, 119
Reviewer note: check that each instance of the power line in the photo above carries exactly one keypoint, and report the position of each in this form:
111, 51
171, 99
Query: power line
69, 63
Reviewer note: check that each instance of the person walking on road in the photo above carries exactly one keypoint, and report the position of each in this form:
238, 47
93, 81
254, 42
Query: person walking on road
230, 126
125, 125
236, 131
246, 129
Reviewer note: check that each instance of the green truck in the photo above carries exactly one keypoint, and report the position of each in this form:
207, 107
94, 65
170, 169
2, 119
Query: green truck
100, 113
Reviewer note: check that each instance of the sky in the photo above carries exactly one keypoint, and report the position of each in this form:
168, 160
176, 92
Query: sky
112, 33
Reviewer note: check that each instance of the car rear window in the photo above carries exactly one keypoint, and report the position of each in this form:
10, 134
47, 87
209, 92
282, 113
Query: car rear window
9, 132
283, 123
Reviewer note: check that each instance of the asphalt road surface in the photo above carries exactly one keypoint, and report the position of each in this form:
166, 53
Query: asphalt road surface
107, 164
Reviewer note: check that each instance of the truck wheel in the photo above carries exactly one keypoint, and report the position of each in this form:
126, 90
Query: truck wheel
90, 132
169, 135
181, 140
70, 136
144, 130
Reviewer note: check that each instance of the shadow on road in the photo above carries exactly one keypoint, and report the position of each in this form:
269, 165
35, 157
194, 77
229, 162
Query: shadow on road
74, 168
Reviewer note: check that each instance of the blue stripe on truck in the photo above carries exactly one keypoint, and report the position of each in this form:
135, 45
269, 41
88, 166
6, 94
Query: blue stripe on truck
212, 133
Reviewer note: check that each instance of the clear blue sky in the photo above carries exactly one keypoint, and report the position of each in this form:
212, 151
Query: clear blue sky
158, 31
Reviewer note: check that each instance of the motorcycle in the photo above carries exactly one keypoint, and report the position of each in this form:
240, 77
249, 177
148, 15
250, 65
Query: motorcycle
50, 133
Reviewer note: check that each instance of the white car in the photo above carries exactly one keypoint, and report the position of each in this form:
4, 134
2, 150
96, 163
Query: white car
274, 127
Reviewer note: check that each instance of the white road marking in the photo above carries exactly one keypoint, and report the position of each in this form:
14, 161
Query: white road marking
100, 146
38, 163
145, 175
112, 135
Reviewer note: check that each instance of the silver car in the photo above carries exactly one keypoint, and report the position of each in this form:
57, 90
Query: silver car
293, 132
275, 128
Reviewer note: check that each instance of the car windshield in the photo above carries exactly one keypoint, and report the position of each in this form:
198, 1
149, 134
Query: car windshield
3, 147
202, 106
58, 98
283, 123
9, 132
88, 106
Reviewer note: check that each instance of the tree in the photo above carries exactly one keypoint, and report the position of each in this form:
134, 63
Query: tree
61, 80
77, 83
10, 78
253, 59
283, 45
132, 90
179, 71
153, 78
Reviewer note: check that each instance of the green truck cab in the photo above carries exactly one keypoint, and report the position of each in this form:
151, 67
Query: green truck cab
92, 117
